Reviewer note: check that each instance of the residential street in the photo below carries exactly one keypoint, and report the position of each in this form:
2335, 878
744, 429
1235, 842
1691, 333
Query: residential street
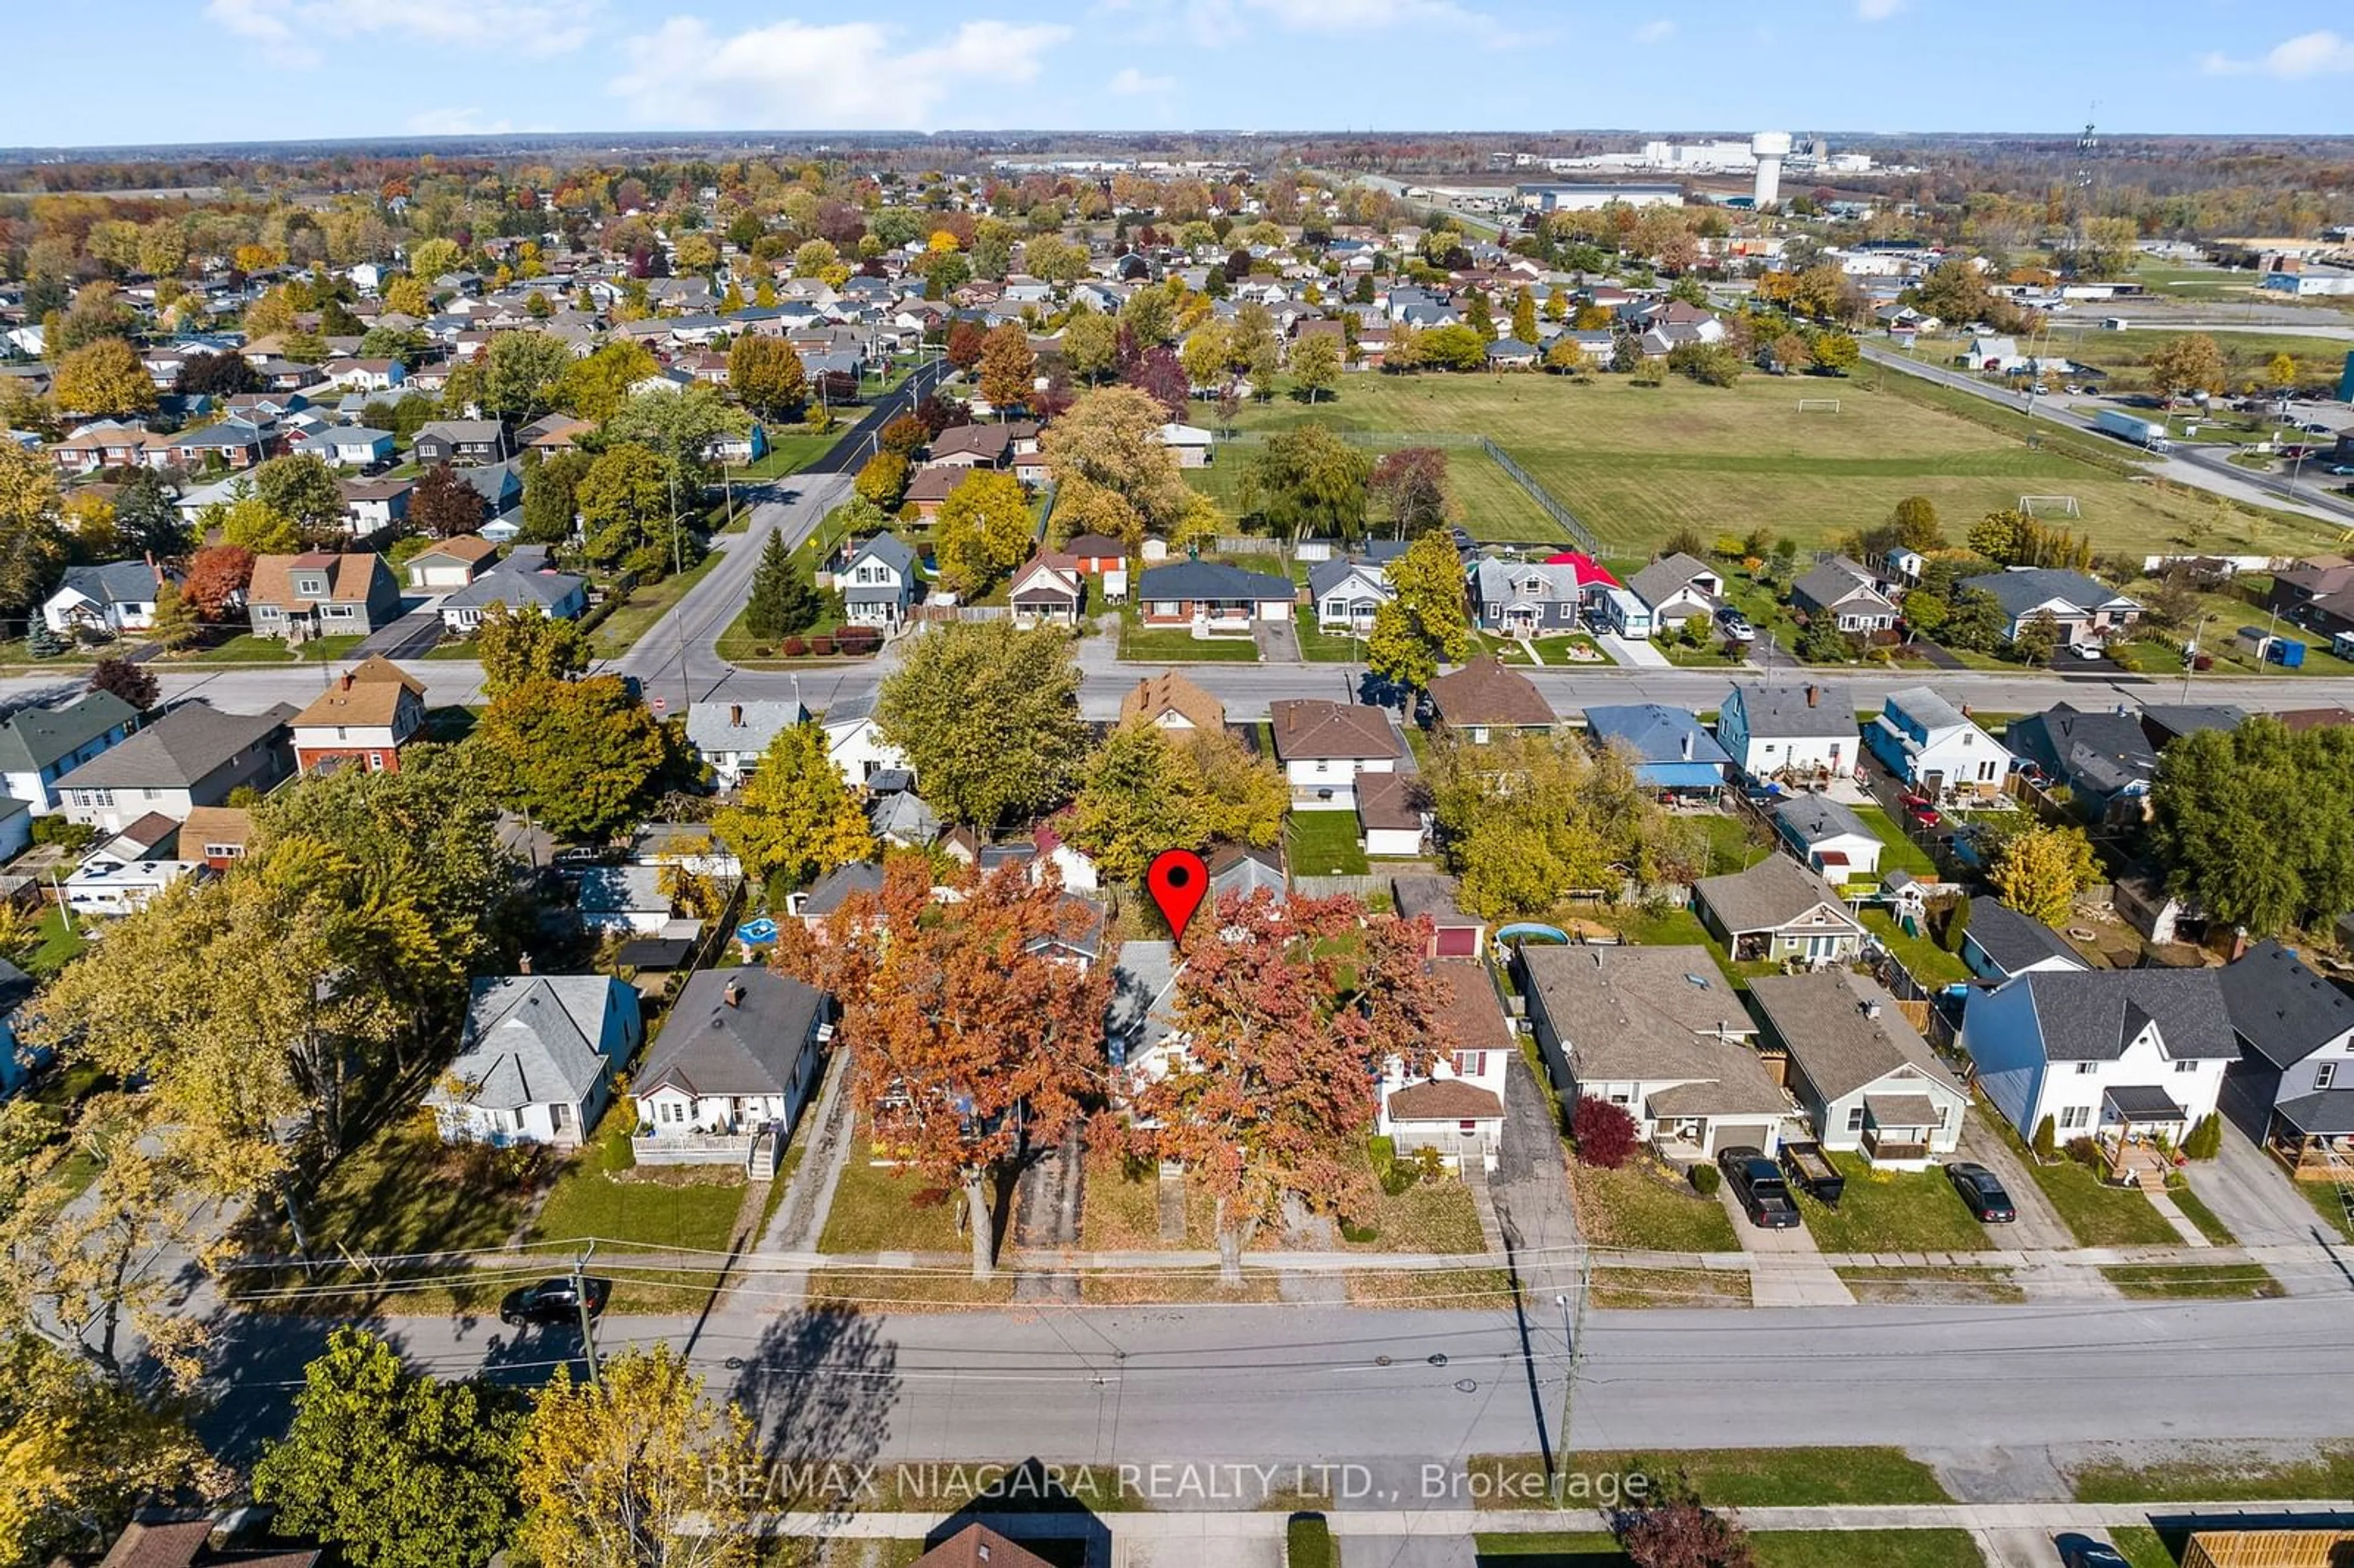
1392, 1388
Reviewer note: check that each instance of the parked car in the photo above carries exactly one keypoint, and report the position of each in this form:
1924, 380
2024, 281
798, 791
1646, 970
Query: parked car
2083, 1551
2341, 468
2087, 651
1735, 625
1758, 1187
553, 1301
1922, 809
1983, 1191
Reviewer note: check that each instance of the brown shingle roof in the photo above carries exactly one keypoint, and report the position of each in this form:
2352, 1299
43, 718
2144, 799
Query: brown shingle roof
1443, 1099
369, 694
1484, 692
348, 578
1170, 692
1315, 728
467, 547
1383, 801
1474, 1017
215, 825
978, 1546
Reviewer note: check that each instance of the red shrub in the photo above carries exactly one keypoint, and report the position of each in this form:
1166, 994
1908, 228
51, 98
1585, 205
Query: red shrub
795, 648
1604, 1133
821, 646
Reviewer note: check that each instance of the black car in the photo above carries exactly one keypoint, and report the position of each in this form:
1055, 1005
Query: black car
2083, 1551
1983, 1191
1758, 1188
552, 1301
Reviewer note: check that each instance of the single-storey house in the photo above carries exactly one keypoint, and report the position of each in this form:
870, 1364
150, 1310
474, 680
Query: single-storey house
1859, 1069
2103, 755
732, 1068
111, 598
516, 583
1048, 591
539, 1056
1999, 944
1666, 746
1828, 837
1778, 910
1660, 1034
2085, 610
1346, 592
1211, 599
1677, 587
1843, 592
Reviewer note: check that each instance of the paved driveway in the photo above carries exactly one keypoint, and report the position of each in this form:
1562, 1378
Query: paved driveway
2253, 1195
1530, 1186
1279, 641
2039, 1226
1789, 1270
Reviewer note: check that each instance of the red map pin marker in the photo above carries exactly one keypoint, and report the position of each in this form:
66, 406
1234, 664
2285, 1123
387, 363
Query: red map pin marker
1178, 880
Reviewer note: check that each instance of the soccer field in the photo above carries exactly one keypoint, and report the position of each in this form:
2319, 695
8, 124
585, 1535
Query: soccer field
1634, 464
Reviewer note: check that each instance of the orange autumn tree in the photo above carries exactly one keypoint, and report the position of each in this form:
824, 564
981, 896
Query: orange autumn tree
1286, 1013
973, 1040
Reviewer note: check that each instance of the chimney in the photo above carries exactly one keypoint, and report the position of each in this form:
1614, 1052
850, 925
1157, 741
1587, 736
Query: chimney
1686, 746
1872, 1009
735, 715
348, 680
734, 993
523, 965
1814, 694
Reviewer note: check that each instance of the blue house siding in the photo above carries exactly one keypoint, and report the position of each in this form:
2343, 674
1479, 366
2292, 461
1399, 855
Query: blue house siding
2004, 1041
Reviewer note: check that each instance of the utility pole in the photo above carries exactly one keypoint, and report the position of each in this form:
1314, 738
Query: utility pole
1573, 1328
587, 1321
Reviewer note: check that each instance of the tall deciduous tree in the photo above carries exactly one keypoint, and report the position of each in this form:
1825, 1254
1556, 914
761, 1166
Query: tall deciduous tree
974, 1038
1410, 487
104, 377
520, 645
585, 757
2251, 823
443, 504
596, 386
1148, 790
2040, 870
1286, 1013
1316, 364
147, 519
637, 1470
396, 1467
2188, 364
251, 524
989, 718
1111, 465
301, 488
795, 819
1309, 484
983, 531
32, 532
767, 374
216, 574
522, 374
1009, 370
551, 489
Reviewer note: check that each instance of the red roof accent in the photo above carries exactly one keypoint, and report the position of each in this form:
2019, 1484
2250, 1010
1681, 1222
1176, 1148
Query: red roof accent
1590, 570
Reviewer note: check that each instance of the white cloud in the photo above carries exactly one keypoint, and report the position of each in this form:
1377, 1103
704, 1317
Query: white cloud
1132, 82
1877, 10
1658, 32
1204, 24
1375, 15
457, 122
292, 30
841, 76
2307, 53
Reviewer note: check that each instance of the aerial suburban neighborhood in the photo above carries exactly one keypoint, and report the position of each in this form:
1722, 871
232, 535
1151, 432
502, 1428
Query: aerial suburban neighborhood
1144, 848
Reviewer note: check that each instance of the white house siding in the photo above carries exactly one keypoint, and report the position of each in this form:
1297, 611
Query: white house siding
1310, 778
1401, 842
2001, 1033
1842, 1121
550, 1123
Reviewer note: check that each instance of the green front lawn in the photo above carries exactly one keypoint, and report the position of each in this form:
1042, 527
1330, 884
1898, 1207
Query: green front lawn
881, 1208
405, 1190
1749, 1477
1563, 652
1319, 647
1775, 1549
1929, 964
2140, 1546
59, 943
787, 453
1159, 647
1641, 1205
1324, 843
619, 631
1893, 1211
2330, 1203
2220, 1473
739, 646
245, 648
2196, 1211
2213, 1282
2099, 1215
604, 1194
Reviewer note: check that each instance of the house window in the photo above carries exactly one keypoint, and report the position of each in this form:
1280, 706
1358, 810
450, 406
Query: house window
1471, 1063
1855, 1120
2084, 1069
2324, 1074
2186, 1067
2076, 1117
375, 761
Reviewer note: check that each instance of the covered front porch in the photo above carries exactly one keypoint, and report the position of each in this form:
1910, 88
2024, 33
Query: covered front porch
2141, 1126
2312, 1135
1899, 1129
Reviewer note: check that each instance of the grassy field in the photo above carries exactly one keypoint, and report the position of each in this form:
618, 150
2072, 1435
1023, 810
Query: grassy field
2166, 1282
2329, 1204
1776, 1548
1749, 1477
1494, 506
2099, 1215
2247, 355
1634, 464
619, 631
1929, 964
604, 1195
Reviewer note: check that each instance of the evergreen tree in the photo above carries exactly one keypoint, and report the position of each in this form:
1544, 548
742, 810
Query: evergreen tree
41, 643
783, 600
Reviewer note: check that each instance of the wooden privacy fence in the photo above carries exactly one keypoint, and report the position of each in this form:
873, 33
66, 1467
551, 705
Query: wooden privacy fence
2270, 1549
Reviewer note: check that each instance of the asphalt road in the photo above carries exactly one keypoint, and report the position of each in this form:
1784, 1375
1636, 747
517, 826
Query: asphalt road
1394, 1390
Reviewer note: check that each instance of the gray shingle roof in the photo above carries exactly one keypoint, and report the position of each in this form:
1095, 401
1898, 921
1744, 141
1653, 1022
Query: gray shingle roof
838, 885
1211, 580
1828, 1024
1136, 1020
2013, 941
740, 727
115, 582
2282, 1009
1665, 576
2100, 751
2091, 1016
1812, 818
1780, 713
179, 749
2023, 588
514, 589
751, 1047
1630, 1014
533, 1040
32, 738
1769, 895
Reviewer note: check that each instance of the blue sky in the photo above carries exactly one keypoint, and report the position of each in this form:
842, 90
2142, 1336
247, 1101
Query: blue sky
166, 70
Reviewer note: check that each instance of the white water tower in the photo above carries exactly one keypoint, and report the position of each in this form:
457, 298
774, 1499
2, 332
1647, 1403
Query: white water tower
1769, 147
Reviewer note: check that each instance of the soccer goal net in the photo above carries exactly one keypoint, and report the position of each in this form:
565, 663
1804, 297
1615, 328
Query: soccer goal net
1819, 404
2049, 506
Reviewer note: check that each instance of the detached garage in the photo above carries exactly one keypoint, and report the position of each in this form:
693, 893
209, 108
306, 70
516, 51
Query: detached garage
1457, 935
